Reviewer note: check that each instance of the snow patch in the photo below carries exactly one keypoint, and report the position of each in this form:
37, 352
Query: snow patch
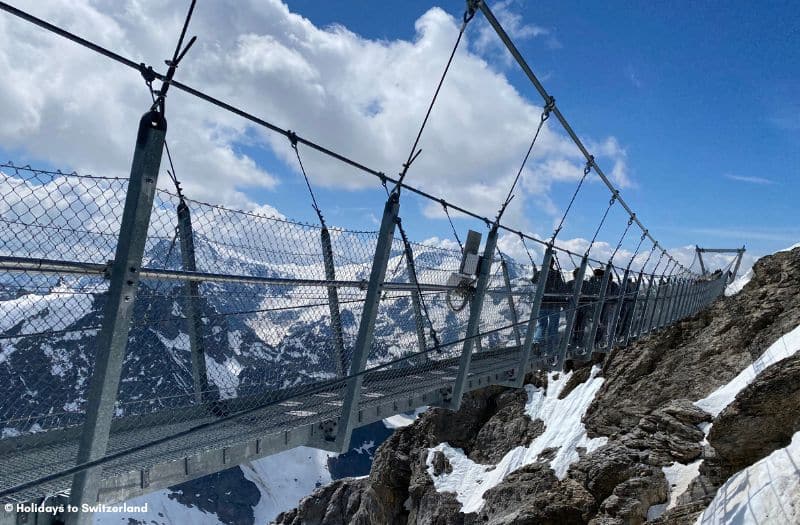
161, 510
766, 492
285, 478
784, 347
738, 283
366, 447
224, 375
679, 477
404, 419
564, 430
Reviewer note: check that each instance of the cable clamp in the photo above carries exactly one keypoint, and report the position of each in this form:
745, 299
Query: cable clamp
292, 136
147, 73
472, 8
588, 166
549, 106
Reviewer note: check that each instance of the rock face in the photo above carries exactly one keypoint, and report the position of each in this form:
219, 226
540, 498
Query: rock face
645, 408
764, 415
693, 357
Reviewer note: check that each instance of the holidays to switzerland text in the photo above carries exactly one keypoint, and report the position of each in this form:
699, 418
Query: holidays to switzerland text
86, 507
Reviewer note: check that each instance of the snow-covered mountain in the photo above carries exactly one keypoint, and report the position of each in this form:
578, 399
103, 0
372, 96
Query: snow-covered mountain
257, 338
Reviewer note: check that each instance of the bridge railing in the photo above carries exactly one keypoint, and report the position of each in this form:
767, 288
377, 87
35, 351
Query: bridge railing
237, 318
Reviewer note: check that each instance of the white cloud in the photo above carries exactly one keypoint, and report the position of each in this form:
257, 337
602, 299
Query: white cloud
751, 180
361, 97
487, 40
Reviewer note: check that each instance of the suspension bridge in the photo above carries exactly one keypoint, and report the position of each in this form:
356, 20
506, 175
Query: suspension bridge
149, 338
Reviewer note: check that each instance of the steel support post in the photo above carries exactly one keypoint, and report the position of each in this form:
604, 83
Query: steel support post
597, 313
192, 305
627, 330
648, 306
690, 305
638, 321
333, 302
677, 286
700, 258
611, 336
697, 297
366, 328
416, 304
664, 306
113, 337
738, 263
666, 301
572, 314
473, 324
514, 318
651, 318
679, 312
533, 320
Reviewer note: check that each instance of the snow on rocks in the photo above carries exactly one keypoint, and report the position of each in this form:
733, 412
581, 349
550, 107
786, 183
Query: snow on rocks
403, 419
564, 431
766, 492
738, 283
285, 478
679, 477
720, 398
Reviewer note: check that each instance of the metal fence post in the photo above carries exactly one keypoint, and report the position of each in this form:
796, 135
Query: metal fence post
651, 318
366, 328
589, 338
628, 329
473, 324
665, 299
573, 314
669, 290
415, 303
640, 321
113, 337
676, 291
192, 305
333, 301
514, 317
677, 313
738, 263
538, 295
676, 304
687, 299
698, 297
688, 310
611, 336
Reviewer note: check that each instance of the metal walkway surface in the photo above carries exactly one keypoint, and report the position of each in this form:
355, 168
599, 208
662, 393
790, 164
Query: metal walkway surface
291, 423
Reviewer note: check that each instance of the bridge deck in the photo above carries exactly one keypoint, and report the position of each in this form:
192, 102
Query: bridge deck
385, 393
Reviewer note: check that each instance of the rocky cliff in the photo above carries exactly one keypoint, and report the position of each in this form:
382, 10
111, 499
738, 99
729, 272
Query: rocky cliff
644, 446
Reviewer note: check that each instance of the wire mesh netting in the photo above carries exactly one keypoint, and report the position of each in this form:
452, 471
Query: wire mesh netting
246, 314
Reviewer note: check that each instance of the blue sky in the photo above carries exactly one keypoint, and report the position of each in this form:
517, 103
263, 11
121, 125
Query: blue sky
702, 96
691, 108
